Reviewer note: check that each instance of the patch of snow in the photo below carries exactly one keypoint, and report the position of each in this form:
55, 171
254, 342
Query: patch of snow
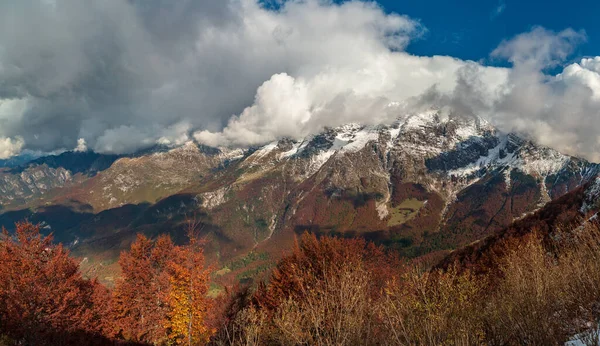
291, 152
530, 160
468, 131
491, 159
265, 150
348, 138
545, 195
382, 208
189, 147
394, 132
420, 120
272, 226
360, 140
299, 147
591, 195
507, 181
213, 199
591, 337
346, 132
339, 143
543, 162
317, 161
231, 154
382, 211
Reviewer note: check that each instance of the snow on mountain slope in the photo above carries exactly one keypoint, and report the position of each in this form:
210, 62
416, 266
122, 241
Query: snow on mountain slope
466, 145
446, 153
591, 196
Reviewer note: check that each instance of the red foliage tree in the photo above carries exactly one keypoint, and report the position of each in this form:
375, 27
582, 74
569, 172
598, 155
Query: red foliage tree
161, 296
43, 297
140, 297
311, 260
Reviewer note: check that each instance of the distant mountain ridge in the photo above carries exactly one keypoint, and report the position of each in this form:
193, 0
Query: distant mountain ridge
18, 160
86, 162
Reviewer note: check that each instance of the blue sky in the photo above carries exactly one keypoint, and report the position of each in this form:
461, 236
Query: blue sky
471, 29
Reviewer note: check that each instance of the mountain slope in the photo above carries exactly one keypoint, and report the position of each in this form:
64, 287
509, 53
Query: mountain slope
553, 222
146, 178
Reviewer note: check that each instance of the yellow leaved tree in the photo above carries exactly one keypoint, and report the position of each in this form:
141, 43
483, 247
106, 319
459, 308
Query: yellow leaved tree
189, 282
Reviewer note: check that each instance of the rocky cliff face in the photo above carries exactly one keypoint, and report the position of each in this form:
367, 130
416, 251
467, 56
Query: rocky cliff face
424, 183
18, 188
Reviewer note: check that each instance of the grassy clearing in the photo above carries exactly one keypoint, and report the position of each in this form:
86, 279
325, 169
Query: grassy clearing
405, 211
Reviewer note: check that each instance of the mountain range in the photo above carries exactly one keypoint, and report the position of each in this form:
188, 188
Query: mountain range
424, 185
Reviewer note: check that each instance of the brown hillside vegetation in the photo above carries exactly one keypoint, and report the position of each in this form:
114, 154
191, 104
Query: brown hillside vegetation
326, 291
535, 298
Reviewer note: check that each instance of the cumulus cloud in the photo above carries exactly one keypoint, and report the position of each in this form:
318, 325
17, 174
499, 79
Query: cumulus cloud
81, 145
128, 74
539, 48
557, 110
10, 146
116, 76
560, 111
124, 75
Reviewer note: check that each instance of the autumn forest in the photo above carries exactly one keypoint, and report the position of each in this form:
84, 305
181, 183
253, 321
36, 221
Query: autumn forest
326, 291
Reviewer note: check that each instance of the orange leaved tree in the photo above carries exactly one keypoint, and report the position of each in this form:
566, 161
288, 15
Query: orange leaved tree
43, 297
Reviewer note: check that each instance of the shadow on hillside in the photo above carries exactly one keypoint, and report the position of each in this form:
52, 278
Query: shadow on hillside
465, 152
55, 219
358, 199
77, 162
114, 229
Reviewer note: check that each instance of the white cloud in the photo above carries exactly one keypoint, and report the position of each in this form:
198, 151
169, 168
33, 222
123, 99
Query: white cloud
81, 145
560, 111
126, 75
10, 146
294, 107
539, 48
